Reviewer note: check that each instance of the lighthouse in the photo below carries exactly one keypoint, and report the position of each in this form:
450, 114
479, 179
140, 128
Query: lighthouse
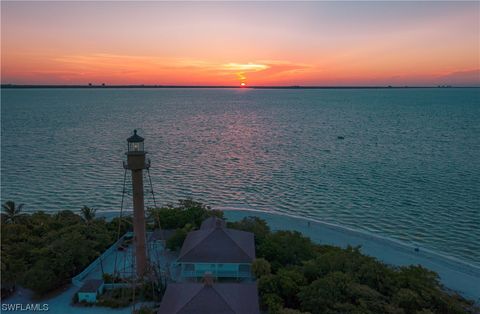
136, 163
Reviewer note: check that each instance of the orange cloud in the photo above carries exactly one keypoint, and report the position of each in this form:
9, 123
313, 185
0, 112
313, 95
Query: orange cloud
117, 69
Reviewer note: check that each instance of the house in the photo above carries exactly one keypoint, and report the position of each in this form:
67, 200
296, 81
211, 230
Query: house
209, 297
217, 249
90, 290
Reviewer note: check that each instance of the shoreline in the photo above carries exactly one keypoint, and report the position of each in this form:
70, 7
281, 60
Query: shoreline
456, 275
449, 260
160, 86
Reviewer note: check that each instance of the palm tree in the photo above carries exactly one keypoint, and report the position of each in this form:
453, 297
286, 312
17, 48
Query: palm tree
88, 213
11, 212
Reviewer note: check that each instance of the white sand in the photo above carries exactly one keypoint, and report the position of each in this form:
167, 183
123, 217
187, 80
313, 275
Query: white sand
456, 275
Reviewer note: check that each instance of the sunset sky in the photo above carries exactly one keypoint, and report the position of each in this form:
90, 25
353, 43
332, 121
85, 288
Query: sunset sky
228, 43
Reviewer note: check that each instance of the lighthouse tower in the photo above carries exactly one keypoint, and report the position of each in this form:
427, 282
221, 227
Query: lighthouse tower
136, 162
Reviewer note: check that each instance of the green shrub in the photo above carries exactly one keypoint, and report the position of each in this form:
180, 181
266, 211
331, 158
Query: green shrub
261, 267
284, 248
176, 240
185, 212
257, 226
145, 310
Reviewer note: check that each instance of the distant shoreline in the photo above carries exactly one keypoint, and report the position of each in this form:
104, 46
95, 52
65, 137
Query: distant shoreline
6, 86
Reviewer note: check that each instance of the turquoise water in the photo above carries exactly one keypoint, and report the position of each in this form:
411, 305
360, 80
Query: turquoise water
408, 166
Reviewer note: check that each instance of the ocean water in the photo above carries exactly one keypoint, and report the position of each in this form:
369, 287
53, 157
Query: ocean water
399, 163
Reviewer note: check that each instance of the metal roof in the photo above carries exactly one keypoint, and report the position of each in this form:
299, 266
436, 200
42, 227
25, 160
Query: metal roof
199, 298
218, 245
135, 138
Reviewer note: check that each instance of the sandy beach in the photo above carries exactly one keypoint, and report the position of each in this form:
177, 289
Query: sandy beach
455, 275
349, 127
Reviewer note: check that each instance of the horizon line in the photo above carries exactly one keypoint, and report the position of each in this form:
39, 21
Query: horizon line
230, 86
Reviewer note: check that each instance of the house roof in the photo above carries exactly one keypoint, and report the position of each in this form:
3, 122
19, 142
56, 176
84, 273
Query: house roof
199, 298
218, 245
91, 285
213, 222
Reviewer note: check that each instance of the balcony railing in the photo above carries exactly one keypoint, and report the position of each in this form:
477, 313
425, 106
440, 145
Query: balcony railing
219, 273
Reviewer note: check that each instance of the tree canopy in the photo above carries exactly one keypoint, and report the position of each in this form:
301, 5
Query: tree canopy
177, 216
43, 251
309, 278
11, 212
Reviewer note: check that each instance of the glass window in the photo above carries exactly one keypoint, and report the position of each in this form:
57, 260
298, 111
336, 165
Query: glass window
135, 147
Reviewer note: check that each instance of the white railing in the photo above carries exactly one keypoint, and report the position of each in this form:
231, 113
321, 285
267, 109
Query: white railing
77, 281
218, 273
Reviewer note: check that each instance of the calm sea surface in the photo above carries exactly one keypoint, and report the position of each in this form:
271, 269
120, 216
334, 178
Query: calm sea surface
408, 166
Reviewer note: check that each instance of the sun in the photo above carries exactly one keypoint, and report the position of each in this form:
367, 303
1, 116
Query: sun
242, 84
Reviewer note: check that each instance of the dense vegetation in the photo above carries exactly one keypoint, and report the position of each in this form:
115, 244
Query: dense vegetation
121, 297
177, 216
186, 216
43, 251
298, 276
